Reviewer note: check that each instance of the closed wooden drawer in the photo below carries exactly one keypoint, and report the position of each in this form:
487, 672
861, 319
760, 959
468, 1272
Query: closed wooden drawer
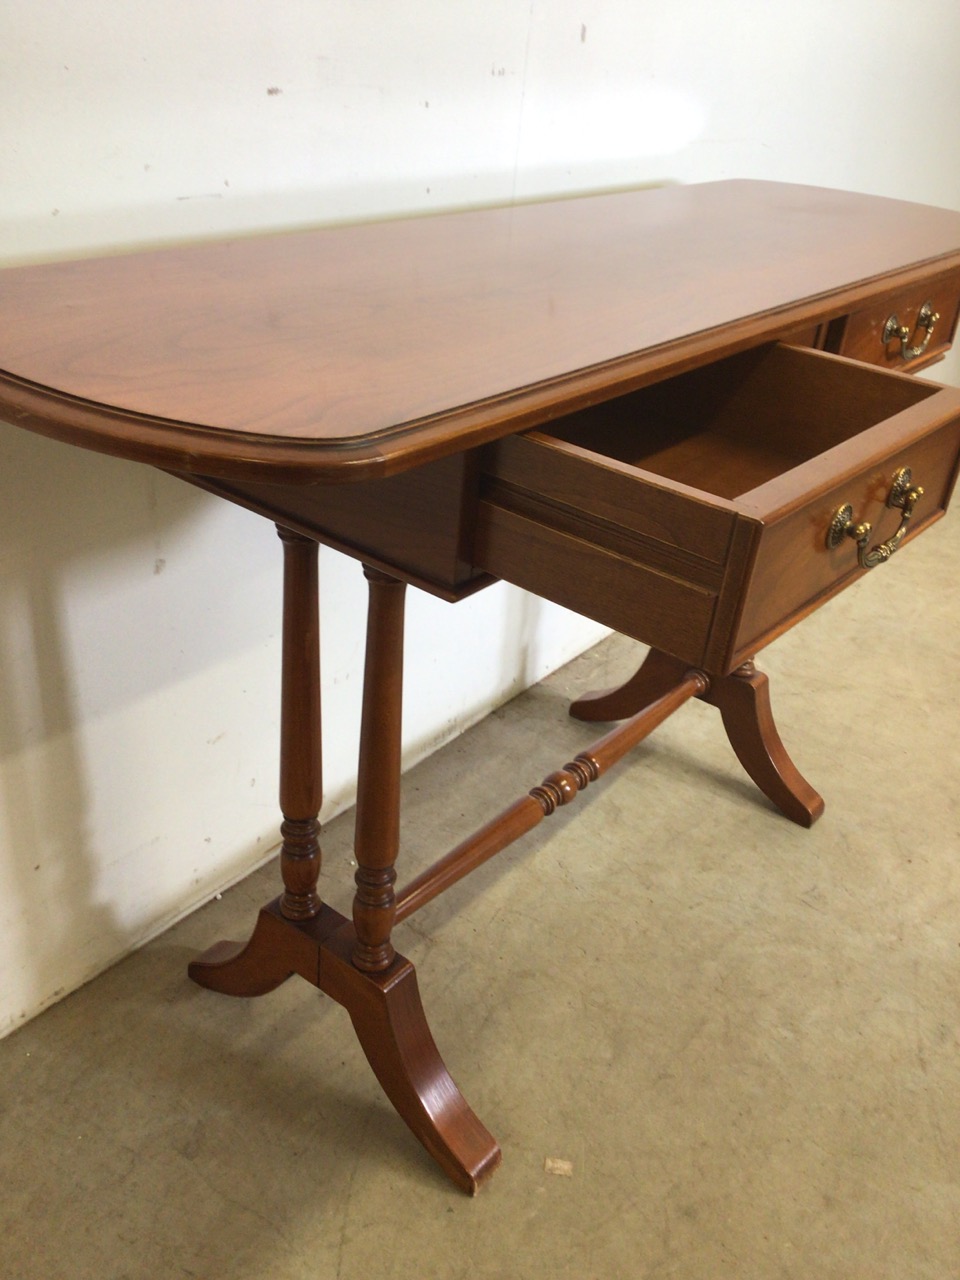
905, 330
694, 514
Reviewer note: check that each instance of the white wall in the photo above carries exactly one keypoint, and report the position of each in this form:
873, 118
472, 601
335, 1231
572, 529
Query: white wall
138, 619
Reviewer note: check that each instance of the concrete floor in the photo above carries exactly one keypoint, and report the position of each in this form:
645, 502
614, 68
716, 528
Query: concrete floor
743, 1036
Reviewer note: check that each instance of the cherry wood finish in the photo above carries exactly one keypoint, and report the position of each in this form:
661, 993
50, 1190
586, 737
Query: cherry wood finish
378, 783
559, 788
387, 1015
353, 962
693, 514
618, 401
357, 351
743, 699
860, 335
301, 768
417, 525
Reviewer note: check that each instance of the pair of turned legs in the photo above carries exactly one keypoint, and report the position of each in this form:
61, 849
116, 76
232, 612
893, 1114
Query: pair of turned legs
354, 961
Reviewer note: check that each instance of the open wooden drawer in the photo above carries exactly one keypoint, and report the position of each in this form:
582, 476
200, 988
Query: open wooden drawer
705, 514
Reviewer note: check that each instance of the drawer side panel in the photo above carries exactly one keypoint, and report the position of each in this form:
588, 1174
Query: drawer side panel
618, 592
608, 490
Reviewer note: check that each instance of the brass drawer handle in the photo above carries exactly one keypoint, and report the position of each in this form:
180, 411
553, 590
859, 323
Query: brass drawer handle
903, 494
926, 320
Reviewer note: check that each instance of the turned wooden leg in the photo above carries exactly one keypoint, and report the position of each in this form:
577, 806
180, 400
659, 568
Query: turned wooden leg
259, 965
301, 767
358, 965
377, 838
743, 700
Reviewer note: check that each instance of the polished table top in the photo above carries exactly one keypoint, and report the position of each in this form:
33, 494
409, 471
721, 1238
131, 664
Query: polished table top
359, 351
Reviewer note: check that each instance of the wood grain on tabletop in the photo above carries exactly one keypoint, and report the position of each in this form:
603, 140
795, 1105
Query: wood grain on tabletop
358, 334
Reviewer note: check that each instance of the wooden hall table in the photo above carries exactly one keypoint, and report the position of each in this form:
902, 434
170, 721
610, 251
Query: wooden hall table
683, 412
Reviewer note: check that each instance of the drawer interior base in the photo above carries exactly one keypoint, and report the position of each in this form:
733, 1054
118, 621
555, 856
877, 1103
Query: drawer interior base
732, 426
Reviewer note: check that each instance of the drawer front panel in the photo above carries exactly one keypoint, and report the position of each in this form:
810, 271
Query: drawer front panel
862, 335
795, 570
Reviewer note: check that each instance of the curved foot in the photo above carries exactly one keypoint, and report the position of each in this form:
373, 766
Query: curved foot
657, 675
387, 1015
743, 700
390, 1023
251, 968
